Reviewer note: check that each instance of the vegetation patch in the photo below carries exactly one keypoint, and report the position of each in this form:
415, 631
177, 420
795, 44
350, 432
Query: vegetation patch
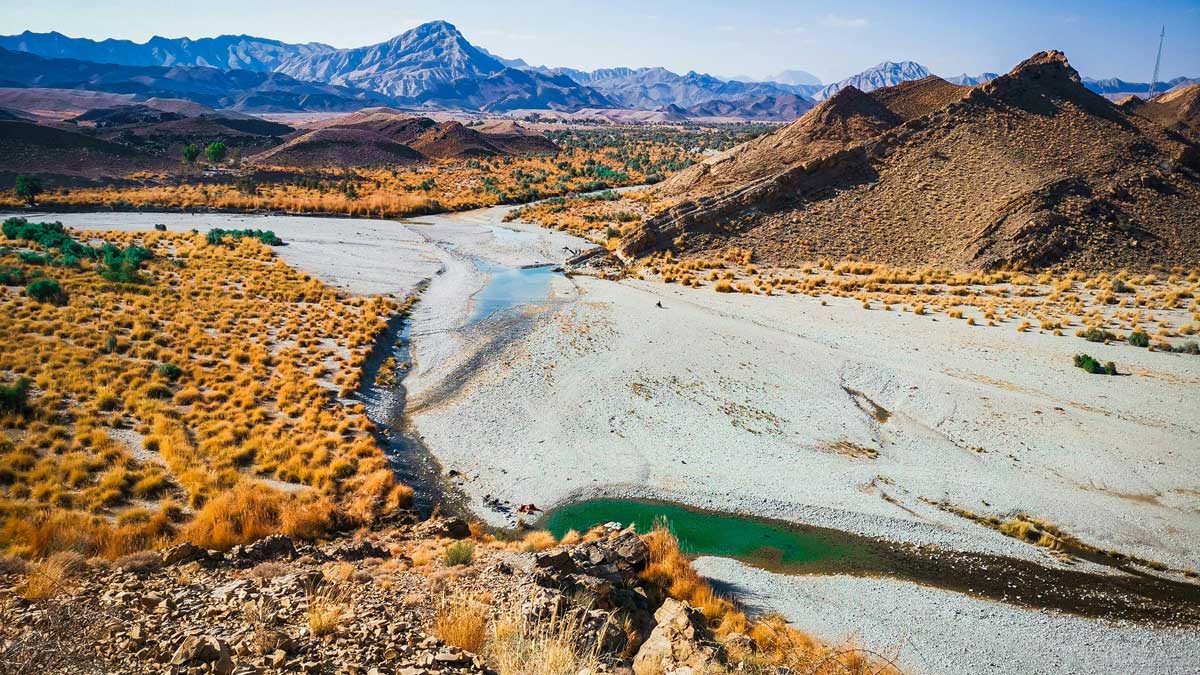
1093, 366
135, 415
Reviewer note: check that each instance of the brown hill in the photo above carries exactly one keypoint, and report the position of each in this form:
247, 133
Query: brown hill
918, 98
336, 146
846, 117
1178, 110
515, 139
453, 140
1028, 170
166, 138
439, 140
29, 147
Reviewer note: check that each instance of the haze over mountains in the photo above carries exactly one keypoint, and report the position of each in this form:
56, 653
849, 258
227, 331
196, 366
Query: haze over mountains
432, 66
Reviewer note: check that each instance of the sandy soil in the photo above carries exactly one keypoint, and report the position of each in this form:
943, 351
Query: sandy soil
938, 632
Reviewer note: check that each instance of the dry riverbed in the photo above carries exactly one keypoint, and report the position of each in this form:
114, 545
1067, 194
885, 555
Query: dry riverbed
785, 407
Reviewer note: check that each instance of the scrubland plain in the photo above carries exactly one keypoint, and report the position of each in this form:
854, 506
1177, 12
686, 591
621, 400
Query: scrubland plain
202, 398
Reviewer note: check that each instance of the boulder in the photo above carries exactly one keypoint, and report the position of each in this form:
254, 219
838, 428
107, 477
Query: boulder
355, 551
184, 553
680, 643
450, 528
269, 548
204, 650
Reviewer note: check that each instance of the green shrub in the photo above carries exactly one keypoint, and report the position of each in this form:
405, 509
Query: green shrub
217, 235
47, 290
459, 553
32, 258
28, 188
11, 276
1139, 339
1093, 366
13, 397
170, 371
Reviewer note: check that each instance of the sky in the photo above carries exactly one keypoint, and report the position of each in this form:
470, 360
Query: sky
1102, 38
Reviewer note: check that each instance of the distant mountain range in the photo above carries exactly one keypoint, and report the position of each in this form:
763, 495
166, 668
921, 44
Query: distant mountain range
1115, 89
243, 90
432, 66
655, 88
228, 52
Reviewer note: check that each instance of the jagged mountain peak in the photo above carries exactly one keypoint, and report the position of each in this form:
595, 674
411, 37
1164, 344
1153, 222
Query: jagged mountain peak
884, 74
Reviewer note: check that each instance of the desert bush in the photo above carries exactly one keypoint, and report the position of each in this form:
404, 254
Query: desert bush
13, 397
216, 236
1098, 335
459, 553
1093, 366
11, 276
47, 290
1139, 339
251, 405
47, 578
140, 562
170, 371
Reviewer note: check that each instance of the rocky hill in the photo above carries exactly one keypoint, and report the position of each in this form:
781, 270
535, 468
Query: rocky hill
1029, 170
1178, 110
436, 598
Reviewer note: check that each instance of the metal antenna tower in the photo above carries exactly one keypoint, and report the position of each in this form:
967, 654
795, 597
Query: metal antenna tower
1157, 61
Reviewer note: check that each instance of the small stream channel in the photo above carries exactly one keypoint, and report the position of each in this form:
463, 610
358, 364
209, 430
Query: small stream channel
384, 395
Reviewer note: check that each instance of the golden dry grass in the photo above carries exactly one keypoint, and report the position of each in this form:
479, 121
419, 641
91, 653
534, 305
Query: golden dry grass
111, 456
518, 645
779, 646
461, 621
1047, 303
328, 608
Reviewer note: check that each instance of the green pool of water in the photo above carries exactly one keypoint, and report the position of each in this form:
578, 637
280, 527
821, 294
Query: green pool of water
763, 543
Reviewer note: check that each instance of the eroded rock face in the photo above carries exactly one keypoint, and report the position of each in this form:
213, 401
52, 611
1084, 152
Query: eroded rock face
604, 574
680, 644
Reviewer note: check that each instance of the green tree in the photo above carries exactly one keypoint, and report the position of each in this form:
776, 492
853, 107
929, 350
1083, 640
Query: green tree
215, 152
190, 153
28, 188
47, 290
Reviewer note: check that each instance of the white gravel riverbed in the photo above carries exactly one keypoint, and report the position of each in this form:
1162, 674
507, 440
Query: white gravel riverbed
931, 631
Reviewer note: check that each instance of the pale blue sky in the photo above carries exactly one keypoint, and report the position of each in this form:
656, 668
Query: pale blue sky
831, 39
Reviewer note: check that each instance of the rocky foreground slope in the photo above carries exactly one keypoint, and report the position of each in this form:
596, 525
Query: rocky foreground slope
1028, 170
401, 601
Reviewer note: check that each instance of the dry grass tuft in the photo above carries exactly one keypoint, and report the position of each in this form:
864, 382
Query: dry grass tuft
329, 607
461, 621
518, 645
48, 578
